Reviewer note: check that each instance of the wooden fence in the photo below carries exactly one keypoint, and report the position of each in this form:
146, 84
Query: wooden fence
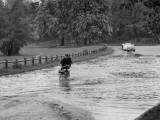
45, 59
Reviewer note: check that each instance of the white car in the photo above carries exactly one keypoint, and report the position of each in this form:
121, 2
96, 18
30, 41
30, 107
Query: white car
128, 47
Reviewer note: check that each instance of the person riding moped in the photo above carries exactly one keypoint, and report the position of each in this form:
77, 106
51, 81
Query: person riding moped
65, 63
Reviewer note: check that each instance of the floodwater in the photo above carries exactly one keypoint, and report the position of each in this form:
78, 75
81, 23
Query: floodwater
111, 87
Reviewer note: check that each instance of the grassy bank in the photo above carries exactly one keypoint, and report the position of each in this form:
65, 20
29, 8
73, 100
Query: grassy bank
41, 66
45, 50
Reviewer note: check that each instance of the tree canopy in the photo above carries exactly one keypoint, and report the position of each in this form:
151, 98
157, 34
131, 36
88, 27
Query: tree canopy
127, 20
14, 29
79, 20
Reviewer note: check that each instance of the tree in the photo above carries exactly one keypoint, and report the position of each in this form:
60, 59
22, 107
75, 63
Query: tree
152, 14
128, 18
16, 30
79, 20
153, 18
3, 20
46, 20
1, 4
92, 20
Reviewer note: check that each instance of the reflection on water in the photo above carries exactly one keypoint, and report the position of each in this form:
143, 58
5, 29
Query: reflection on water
115, 87
64, 81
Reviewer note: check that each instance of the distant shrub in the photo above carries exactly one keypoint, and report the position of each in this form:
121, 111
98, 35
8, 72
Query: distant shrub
10, 46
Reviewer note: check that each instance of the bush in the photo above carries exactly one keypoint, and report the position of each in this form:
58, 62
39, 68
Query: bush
15, 28
10, 46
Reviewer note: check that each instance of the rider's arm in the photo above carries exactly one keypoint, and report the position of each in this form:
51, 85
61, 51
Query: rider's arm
70, 61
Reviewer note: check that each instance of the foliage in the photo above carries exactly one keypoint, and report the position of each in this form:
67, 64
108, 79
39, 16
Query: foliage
127, 20
14, 28
151, 15
1, 4
45, 20
92, 21
81, 20
10, 46
3, 21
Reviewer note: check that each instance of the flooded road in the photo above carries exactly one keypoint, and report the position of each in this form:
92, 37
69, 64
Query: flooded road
111, 87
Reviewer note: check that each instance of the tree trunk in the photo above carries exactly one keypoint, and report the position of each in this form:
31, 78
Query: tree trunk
62, 41
89, 41
136, 35
157, 38
76, 42
85, 41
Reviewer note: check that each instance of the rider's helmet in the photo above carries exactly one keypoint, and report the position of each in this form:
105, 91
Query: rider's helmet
66, 55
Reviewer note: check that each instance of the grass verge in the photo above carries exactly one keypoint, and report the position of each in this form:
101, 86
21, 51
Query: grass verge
41, 66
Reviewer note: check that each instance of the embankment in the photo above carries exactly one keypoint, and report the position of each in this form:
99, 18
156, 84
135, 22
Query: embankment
11, 70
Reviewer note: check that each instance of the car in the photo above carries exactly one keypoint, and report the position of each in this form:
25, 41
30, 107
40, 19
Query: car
128, 47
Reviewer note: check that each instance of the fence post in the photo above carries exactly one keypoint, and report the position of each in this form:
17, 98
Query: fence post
46, 59
51, 58
16, 61
6, 64
33, 61
40, 60
57, 58
25, 61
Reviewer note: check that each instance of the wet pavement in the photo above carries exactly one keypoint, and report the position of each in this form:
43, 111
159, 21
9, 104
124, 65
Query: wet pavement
111, 87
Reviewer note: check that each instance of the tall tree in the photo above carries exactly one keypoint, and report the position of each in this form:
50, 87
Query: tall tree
153, 18
1, 4
128, 17
17, 29
152, 15
81, 20
90, 20
46, 19
3, 21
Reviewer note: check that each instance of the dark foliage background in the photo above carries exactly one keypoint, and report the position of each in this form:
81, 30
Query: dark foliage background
78, 22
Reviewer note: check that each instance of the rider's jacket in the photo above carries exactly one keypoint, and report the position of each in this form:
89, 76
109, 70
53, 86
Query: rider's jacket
66, 61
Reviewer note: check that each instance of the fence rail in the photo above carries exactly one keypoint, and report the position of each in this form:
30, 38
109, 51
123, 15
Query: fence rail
45, 59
